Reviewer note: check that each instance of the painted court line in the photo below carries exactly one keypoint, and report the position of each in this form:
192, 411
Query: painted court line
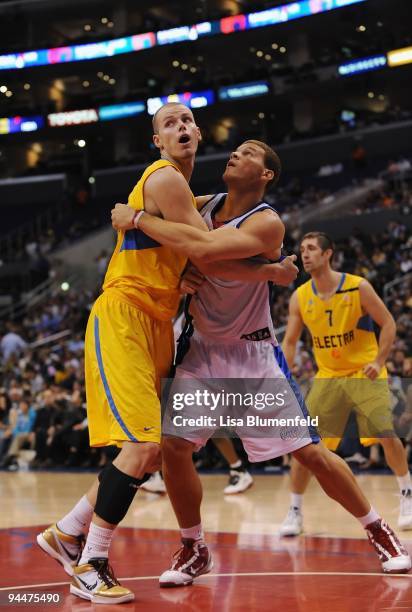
225, 575
273, 534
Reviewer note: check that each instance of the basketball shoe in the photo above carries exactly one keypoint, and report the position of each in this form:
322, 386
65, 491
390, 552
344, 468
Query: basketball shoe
66, 549
393, 556
239, 481
155, 484
189, 562
96, 582
405, 510
293, 523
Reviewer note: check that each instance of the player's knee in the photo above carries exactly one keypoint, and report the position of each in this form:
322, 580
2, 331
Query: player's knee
176, 449
151, 457
316, 459
390, 442
115, 494
139, 458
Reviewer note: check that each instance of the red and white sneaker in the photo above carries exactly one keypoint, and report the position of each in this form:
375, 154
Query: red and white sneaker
393, 556
189, 562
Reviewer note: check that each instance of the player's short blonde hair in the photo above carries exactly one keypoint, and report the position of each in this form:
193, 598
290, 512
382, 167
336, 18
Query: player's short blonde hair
154, 119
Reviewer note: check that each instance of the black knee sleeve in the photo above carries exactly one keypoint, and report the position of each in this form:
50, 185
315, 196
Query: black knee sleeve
103, 471
115, 494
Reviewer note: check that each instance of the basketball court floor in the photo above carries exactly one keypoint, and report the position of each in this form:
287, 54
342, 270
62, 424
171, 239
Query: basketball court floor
332, 568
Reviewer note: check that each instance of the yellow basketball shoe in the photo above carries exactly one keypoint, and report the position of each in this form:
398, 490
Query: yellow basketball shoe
96, 582
66, 549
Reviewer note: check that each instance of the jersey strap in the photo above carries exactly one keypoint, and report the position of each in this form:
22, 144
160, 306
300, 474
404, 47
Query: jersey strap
258, 208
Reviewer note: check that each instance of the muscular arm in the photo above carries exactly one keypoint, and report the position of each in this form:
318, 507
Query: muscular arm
376, 309
261, 233
250, 271
166, 194
293, 330
237, 269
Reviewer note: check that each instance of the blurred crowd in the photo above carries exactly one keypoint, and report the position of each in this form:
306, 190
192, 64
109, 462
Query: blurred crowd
42, 397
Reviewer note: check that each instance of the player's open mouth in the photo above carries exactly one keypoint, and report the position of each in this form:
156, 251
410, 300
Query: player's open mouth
230, 165
184, 139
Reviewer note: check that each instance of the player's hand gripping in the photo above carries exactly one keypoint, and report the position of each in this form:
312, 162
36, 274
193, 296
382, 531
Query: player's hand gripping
285, 272
372, 370
122, 217
191, 280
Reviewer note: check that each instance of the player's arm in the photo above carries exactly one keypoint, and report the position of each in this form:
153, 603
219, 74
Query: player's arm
170, 193
280, 273
167, 194
293, 330
244, 270
373, 306
160, 190
259, 234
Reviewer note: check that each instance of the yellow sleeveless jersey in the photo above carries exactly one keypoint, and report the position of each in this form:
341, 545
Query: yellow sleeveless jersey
343, 337
141, 271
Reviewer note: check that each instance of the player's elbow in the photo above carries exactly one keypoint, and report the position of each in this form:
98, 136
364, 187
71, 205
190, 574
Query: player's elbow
205, 257
289, 344
391, 325
289, 350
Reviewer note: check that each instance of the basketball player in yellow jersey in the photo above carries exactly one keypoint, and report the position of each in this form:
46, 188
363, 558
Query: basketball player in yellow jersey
128, 349
339, 310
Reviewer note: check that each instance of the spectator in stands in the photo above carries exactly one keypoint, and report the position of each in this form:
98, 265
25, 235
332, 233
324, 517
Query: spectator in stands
11, 343
5, 433
77, 438
22, 432
66, 444
101, 263
46, 418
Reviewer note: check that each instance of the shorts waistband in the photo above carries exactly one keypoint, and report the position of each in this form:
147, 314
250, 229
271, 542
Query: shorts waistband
212, 341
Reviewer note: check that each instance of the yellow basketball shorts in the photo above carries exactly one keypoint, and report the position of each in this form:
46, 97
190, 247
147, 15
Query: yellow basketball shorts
127, 353
333, 400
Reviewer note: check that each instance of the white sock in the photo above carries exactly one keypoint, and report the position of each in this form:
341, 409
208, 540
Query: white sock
236, 465
78, 519
193, 533
97, 543
404, 482
369, 518
296, 500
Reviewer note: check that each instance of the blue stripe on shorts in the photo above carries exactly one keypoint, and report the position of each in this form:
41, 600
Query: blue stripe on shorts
280, 358
106, 384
